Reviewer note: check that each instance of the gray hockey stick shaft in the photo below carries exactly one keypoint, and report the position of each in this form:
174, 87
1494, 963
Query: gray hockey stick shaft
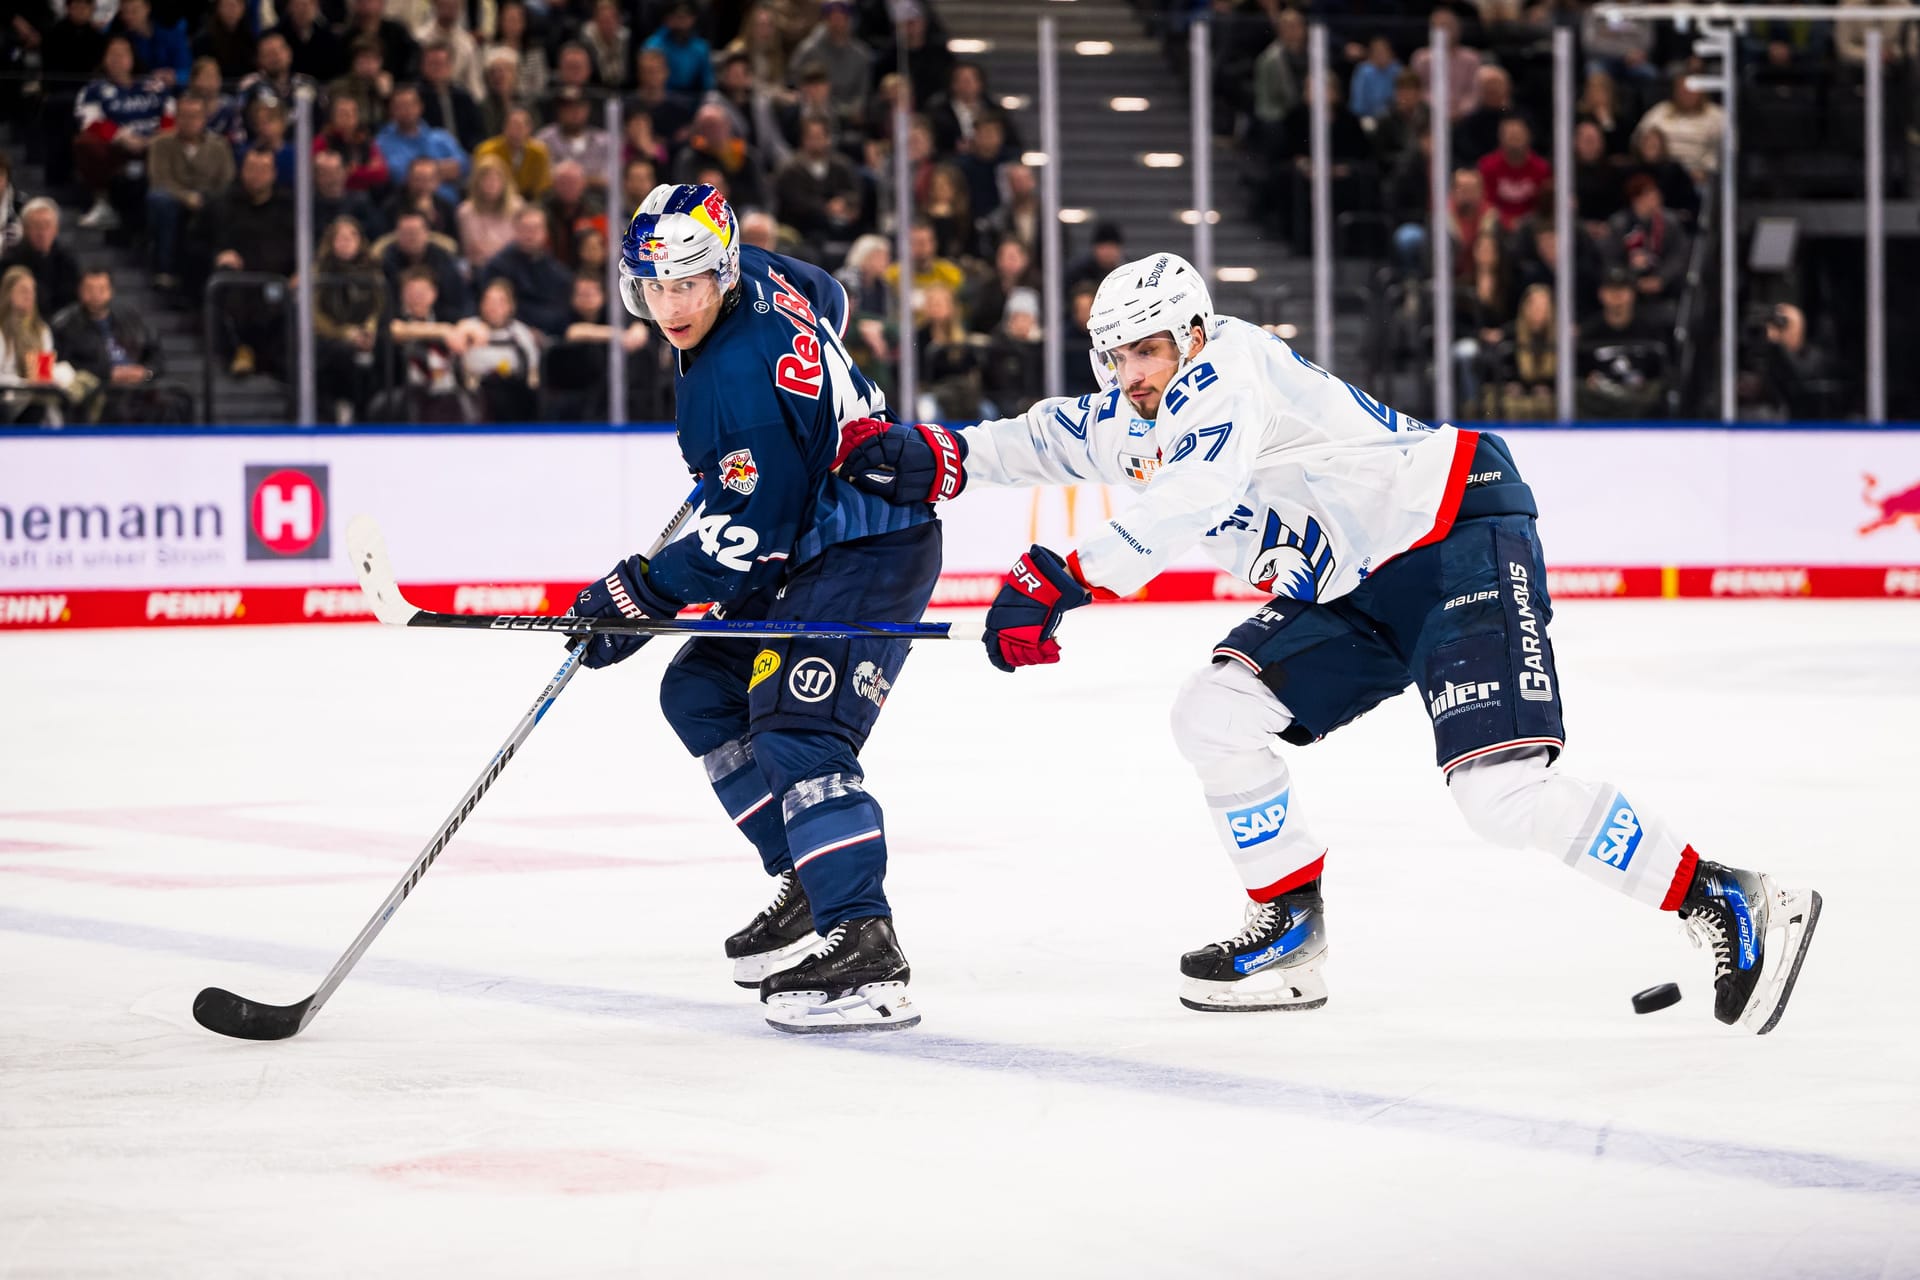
231, 1015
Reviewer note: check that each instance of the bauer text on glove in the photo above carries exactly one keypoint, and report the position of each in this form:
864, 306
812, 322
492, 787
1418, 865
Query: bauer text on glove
916, 462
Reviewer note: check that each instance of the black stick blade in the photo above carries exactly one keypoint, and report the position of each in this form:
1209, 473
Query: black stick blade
232, 1015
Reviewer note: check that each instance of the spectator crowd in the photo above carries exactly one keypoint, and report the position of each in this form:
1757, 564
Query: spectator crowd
466, 192
1647, 148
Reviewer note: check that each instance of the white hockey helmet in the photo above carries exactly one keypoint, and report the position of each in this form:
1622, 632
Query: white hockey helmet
1158, 294
676, 233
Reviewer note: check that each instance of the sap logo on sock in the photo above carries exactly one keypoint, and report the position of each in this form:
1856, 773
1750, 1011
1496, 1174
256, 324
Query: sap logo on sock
1619, 835
287, 512
1469, 696
1257, 824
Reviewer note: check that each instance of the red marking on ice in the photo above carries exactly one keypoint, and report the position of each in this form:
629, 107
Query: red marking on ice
562, 1172
230, 824
34, 846
143, 880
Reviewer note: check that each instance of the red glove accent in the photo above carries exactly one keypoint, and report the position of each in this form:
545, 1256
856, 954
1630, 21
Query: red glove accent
1037, 591
856, 433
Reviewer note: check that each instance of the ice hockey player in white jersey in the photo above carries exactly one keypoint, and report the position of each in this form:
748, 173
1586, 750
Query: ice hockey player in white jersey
1396, 554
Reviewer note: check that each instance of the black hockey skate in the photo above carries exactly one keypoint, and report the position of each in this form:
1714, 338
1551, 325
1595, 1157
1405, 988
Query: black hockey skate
1274, 962
776, 937
856, 980
1759, 934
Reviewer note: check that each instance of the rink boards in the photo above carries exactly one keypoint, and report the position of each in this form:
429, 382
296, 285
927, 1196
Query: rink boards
145, 528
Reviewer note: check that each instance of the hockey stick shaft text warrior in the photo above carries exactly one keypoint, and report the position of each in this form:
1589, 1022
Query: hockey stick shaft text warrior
367, 548
232, 1015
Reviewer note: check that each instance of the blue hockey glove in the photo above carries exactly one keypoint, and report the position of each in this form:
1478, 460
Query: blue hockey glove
921, 462
623, 593
1038, 591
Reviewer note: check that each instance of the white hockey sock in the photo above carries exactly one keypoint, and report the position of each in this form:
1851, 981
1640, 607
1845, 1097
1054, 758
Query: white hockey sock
1520, 801
1223, 722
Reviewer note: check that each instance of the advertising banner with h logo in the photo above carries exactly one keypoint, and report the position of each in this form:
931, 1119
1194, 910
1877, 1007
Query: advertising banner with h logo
287, 512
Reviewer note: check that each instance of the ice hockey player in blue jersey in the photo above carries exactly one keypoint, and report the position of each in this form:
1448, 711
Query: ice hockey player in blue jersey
763, 385
1396, 554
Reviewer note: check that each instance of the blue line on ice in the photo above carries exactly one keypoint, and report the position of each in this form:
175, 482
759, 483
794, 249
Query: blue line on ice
1789, 1169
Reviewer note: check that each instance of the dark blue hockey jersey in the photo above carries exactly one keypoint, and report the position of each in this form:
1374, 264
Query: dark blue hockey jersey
760, 407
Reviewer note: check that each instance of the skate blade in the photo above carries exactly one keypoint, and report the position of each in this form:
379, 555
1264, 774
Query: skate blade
1801, 911
1275, 990
748, 970
878, 1006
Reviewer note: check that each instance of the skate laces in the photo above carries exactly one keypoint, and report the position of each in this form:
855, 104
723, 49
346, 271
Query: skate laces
835, 936
1707, 927
781, 894
1260, 918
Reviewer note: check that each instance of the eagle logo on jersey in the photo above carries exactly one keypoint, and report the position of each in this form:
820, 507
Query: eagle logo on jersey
738, 473
1295, 565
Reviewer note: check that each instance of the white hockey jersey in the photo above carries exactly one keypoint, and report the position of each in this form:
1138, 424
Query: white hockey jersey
1288, 477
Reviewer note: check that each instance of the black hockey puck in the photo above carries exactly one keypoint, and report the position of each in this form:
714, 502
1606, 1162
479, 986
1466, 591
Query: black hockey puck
1655, 998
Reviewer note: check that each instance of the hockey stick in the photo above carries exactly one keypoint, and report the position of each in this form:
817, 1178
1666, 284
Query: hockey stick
231, 1015
367, 548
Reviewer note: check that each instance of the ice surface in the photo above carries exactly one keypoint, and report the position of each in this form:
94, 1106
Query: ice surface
542, 1068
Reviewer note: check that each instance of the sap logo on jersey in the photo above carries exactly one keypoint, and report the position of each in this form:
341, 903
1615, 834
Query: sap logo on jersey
1258, 823
1619, 835
287, 512
738, 473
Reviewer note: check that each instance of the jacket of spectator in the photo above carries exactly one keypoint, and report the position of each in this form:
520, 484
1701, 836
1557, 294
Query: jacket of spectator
689, 60
203, 168
806, 184
56, 273
159, 47
88, 344
531, 169
317, 51
1515, 186
848, 62
257, 230
11, 200
1651, 243
230, 44
105, 109
367, 92
467, 65
452, 108
1693, 138
453, 301
543, 288
71, 49
403, 147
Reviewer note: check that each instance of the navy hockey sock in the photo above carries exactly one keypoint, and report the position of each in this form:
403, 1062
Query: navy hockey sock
839, 843
743, 792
